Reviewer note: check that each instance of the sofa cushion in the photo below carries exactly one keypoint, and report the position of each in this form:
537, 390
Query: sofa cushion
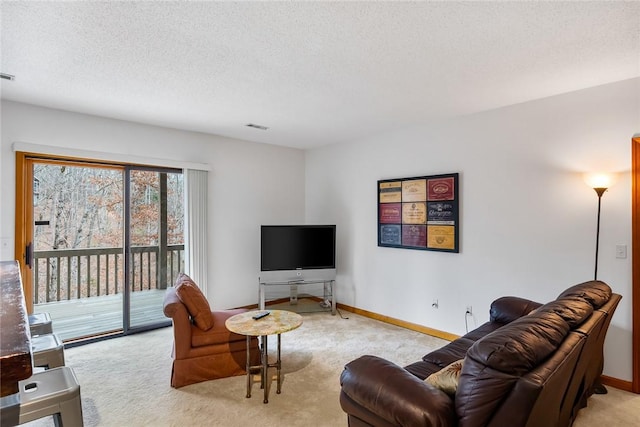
481, 331
480, 391
195, 301
446, 379
595, 292
451, 352
495, 363
457, 349
507, 309
571, 309
521, 345
217, 336
422, 369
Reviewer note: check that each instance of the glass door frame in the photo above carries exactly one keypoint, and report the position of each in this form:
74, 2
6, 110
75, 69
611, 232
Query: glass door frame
162, 244
24, 229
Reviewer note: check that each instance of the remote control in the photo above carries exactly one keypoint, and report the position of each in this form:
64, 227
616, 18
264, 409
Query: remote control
261, 315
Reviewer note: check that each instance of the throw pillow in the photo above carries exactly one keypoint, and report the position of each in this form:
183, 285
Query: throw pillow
446, 379
195, 301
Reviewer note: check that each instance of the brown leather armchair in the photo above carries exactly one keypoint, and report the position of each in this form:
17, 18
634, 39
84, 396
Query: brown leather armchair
203, 349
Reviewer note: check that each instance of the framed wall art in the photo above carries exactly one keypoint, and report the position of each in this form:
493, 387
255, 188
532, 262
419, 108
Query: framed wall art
419, 213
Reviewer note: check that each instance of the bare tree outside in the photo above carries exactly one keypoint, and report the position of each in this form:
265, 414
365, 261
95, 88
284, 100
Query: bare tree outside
84, 207
146, 223
81, 208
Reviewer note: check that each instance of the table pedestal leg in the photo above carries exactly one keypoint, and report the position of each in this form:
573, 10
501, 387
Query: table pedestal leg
248, 366
278, 367
265, 367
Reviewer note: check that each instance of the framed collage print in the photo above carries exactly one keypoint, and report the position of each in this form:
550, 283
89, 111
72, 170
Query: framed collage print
419, 213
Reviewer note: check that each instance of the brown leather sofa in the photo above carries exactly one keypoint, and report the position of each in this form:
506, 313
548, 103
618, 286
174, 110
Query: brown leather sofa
203, 348
531, 365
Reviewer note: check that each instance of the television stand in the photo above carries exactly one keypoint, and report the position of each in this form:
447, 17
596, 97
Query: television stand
328, 297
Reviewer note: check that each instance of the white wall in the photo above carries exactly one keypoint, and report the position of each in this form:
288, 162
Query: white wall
249, 184
527, 219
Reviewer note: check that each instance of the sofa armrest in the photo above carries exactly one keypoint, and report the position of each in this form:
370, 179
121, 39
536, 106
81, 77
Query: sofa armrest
178, 313
507, 309
395, 395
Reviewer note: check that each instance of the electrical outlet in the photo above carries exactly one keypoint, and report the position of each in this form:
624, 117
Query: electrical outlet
469, 310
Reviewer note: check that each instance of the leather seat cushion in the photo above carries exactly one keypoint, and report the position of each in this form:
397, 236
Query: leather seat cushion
457, 349
218, 334
422, 369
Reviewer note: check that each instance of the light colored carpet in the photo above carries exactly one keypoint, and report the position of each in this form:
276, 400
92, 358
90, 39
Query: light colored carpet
125, 381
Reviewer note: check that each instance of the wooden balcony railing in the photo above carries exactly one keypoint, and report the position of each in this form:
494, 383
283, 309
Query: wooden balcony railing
83, 273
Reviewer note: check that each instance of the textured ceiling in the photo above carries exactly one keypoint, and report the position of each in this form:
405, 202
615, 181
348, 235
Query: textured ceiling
315, 73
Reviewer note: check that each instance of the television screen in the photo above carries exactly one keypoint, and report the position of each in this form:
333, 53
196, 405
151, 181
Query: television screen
293, 247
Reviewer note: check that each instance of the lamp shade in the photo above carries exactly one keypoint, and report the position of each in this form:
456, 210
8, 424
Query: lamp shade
599, 180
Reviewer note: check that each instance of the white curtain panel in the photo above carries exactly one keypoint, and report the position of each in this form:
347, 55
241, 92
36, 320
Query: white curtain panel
195, 230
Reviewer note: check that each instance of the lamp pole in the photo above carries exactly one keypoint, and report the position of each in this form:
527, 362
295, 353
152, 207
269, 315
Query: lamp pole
600, 183
600, 191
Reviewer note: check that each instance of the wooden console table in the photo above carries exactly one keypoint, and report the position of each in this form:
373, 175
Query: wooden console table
15, 340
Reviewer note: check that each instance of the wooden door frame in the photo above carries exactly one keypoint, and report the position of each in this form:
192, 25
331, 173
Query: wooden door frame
635, 259
24, 225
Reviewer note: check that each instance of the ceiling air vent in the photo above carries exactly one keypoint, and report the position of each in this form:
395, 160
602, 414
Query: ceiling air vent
253, 125
7, 76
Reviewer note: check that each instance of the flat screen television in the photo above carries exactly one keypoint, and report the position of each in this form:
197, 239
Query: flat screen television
297, 252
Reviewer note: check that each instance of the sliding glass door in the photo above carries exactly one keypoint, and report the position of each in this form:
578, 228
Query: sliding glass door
102, 243
154, 235
77, 252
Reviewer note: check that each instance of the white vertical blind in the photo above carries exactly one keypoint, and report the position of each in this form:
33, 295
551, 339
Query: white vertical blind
196, 217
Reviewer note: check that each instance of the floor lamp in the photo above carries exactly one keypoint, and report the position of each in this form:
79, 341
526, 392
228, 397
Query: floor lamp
600, 183
600, 191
